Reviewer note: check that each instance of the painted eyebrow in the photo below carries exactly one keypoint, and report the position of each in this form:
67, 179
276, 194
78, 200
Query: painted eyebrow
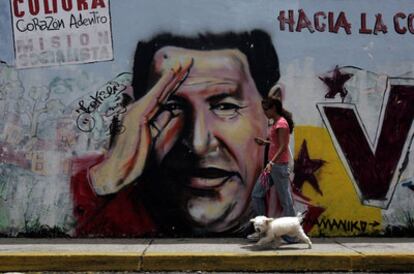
213, 98
177, 98
219, 97
226, 94
236, 93
228, 82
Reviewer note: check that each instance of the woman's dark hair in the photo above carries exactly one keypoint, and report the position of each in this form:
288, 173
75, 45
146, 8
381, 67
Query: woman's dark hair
267, 103
256, 45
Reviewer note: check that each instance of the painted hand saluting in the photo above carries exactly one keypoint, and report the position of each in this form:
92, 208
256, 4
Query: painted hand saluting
126, 159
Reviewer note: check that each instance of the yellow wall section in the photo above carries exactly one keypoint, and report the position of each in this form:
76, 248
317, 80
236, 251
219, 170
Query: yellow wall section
339, 196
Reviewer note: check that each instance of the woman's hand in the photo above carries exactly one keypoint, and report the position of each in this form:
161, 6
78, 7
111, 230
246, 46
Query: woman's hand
268, 167
127, 157
261, 141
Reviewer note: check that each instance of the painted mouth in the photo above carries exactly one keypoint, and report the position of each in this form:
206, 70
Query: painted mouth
209, 178
212, 173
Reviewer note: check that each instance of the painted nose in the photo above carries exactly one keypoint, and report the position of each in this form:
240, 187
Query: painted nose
203, 138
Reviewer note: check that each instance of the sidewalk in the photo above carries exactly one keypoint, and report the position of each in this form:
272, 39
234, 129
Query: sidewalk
206, 254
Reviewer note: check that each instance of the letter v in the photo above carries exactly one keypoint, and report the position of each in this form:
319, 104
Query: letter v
374, 169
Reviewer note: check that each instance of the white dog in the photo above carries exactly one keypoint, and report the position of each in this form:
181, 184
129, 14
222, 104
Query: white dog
272, 229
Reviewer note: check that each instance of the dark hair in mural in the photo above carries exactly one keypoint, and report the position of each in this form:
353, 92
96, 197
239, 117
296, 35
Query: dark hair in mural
269, 102
256, 45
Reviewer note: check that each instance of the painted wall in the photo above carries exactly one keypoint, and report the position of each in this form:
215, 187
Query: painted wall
91, 145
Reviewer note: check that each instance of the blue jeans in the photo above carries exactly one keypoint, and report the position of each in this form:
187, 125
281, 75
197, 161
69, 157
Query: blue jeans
279, 177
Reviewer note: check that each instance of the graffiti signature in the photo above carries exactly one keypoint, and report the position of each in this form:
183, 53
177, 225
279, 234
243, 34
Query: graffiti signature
113, 89
117, 109
116, 127
112, 92
85, 122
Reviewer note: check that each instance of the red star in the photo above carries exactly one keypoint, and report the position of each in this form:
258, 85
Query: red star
305, 168
336, 83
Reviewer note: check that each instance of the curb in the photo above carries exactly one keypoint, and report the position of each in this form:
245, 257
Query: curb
77, 261
69, 261
279, 262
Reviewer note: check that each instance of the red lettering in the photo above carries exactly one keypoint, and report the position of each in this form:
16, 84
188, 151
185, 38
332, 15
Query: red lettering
342, 22
364, 28
379, 24
46, 5
330, 22
55, 41
410, 23
41, 44
304, 22
67, 5
34, 7
397, 26
22, 47
69, 41
374, 176
47, 8
319, 22
82, 5
103, 37
97, 3
319, 27
282, 20
84, 39
16, 11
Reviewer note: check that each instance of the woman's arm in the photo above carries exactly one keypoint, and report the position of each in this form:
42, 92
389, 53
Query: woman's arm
282, 136
261, 141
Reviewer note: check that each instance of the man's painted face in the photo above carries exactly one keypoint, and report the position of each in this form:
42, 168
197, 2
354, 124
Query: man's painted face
217, 113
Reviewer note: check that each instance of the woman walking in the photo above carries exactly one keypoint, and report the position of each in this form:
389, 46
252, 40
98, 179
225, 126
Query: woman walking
278, 158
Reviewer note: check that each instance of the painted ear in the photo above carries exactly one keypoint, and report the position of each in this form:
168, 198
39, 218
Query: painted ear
268, 220
252, 220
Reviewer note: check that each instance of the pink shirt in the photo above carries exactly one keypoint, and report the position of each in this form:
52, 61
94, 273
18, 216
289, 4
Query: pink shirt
274, 141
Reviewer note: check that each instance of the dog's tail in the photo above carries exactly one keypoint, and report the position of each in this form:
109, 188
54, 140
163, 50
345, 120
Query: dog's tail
301, 215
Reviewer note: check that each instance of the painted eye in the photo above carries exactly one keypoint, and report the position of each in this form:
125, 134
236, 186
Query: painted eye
174, 107
226, 110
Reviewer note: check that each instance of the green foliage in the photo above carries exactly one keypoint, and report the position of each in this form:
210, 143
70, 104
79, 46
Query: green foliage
406, 230
37, 230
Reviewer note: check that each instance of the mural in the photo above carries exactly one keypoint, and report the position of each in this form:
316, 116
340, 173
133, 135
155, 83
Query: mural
149, 131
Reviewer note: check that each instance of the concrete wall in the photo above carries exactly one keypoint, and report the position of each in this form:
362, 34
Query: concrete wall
84, 154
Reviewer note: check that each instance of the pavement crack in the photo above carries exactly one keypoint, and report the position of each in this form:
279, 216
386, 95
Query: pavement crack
141, 258
347, 247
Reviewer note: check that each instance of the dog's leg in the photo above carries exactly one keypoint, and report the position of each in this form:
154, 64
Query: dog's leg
264, 241
277, 242
302, 236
